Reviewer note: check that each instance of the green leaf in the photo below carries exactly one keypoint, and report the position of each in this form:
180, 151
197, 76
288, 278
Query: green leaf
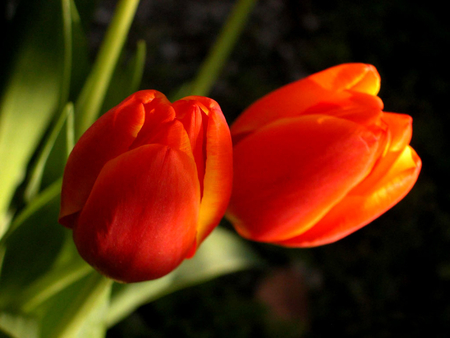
38, 169
79, 71
52, 282
39, 202
18, 326
88, 105
31, 250
222, 253
70, 131
32, 90
126, 79
79, 310
220, 51
80, 48
67, 8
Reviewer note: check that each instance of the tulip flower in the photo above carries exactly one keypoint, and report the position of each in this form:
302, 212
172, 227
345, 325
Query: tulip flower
318, 159
147, 183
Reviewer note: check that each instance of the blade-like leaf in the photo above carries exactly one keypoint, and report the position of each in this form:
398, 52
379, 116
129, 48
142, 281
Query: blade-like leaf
80, 47
126, 79
78, 73
66, 7
137, 66
91, 98
70, 131
38, 169
79, 310
222, 253
40, 201
51, 283
18, 326
219, 52
31, 250
32, 91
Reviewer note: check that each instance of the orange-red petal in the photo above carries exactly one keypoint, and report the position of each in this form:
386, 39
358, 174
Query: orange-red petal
356, 210
289, 174
140, 220
331, 86
194, 120
218, 178
400, 127
108, 137
158, 111
357, 77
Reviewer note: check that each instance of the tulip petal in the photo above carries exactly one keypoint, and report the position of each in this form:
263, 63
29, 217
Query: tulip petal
400, 126
158, 111
140, 220
400, 131
108, 137
296, 170
218, 179
170, 134
332, 87
356, 210
358, 77
359, 108
194, 119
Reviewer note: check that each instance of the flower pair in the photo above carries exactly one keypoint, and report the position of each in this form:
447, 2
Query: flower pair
313, 161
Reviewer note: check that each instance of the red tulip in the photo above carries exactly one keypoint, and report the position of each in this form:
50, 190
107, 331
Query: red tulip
318, 159
147, 183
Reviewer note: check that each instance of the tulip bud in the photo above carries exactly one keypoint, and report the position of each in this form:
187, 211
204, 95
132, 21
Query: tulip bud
318, 159
146, 184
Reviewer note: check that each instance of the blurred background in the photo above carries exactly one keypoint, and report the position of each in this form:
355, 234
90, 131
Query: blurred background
392, 278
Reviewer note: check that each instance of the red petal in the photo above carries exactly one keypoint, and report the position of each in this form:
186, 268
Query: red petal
358, 77
111, 135
359, 108
170, 134
108, 137
158, 111
400, 126
356, 210
140, 220
194, 120
218, 159
334, 86
218, 179
292, 172
213, 142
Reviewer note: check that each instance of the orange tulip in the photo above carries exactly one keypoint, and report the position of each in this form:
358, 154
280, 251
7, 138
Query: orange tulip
318, 159
147, 183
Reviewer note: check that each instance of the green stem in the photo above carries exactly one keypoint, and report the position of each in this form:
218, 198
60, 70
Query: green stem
93, 93
219, 53
139, 64
67, 66
70, 130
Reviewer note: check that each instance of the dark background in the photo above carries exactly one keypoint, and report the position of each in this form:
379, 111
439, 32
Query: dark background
390, 279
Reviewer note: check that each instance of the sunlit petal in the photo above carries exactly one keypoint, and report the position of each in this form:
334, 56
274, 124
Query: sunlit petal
355, 210
295, 170
109, 137
217, 182
358, 77
140, 219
